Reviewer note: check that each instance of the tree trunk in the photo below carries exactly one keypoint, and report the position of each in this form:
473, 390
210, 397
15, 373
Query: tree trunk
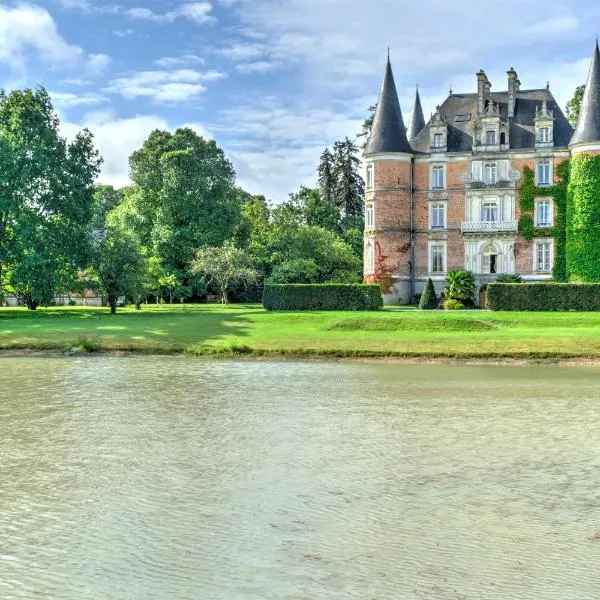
31, 303
112, 302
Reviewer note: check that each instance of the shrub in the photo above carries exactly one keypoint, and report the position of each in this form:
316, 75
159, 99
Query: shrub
461, 286
544, 296
324, 296
509, 278
452, 304
429, 300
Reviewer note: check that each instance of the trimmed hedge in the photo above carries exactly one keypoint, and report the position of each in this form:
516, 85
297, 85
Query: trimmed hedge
544, 296
323, 296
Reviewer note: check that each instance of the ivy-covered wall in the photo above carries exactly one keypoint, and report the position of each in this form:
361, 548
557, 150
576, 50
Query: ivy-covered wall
583, 219
528, 193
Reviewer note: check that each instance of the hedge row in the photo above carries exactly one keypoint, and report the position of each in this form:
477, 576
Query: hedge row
544, 296
326, 296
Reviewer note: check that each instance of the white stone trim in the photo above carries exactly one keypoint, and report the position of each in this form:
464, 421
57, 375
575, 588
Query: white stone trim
399, 156
510, 154
584, 147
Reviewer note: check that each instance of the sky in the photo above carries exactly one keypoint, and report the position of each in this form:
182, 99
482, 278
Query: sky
275, 81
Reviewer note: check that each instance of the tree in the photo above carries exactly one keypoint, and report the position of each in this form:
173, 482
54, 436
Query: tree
46, 187
106, 198
120, 265
574, 105
367, 126
223, 266
349, 185
184, 198
327, 183
429, 300
299, 270
335, 259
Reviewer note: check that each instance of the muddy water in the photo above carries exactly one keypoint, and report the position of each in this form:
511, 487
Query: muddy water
171, 478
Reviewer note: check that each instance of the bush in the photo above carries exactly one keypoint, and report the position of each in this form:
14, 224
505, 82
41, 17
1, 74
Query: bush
544, 296
509, 278
461, 286
324, 296
452, 304
429, 301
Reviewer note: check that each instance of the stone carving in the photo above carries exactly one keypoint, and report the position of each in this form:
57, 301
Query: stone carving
515, 175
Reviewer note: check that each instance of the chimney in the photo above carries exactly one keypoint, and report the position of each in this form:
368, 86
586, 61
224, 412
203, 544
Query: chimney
513, 89
484, 88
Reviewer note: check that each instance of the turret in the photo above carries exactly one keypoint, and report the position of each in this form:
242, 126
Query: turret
388, 251
587, 133
388, 133
417, 120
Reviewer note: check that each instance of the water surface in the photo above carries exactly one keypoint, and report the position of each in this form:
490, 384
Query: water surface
173, 478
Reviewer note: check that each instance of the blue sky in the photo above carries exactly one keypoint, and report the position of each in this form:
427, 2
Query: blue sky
275, 81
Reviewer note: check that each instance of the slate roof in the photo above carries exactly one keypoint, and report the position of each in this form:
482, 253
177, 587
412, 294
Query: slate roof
388, 133
588, 126
417, 120
522, 127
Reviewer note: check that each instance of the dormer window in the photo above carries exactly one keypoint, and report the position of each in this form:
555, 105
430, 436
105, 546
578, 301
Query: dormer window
490, 138
438, 140
544, 134
490, 173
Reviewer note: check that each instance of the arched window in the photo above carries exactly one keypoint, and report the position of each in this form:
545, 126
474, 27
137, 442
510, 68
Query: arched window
503, 138
490, 259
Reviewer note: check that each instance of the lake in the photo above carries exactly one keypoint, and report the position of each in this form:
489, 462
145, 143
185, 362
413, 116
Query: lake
177, 478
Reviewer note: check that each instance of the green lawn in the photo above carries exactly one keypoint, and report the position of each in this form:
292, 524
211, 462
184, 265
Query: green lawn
249, 329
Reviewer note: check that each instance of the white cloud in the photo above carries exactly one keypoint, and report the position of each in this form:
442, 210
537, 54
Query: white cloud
243, 51
198, 12
117, 138
187, 60
27, 29
181, 85
260, 66
70, 99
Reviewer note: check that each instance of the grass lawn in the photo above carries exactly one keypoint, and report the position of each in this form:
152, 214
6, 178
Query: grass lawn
248, 329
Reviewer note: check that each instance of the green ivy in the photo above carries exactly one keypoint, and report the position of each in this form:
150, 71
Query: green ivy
583, 223
527, 196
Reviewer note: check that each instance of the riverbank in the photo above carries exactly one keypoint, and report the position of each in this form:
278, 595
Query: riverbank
248, 330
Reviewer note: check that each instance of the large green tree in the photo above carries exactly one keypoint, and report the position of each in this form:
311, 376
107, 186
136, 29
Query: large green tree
349, 184
106, 198
46, 189
120, 265
183, 198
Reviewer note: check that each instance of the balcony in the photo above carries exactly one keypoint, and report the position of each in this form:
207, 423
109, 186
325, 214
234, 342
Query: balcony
489, 227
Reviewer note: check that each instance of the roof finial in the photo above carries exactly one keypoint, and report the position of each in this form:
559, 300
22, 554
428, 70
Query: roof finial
547, 85
388, 54
450, 91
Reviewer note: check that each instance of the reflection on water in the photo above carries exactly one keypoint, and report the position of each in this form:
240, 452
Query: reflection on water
170, 478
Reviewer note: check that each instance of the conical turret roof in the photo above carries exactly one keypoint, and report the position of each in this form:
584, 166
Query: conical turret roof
417, 120
388, 133
588, 126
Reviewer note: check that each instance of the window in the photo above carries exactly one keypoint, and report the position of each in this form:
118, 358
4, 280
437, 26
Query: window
490, 138
543, 256
438, 140
369, 216
490, 259
370, 177
543, 172
437, 176
490, 173
369, 258
437, 257
544, 134
543, 213
437, 216
489, 211
462, 118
